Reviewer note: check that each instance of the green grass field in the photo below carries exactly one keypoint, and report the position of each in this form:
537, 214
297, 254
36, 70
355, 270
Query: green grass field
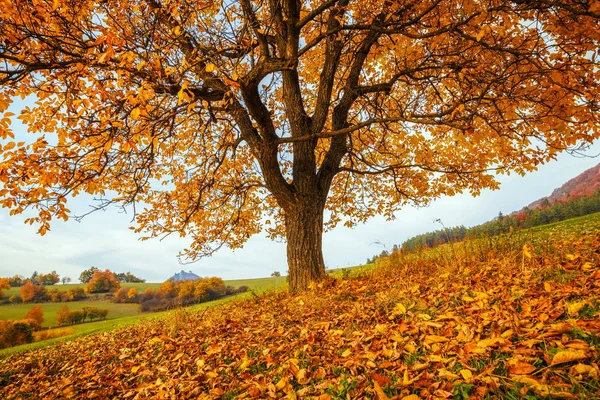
119, 315
115, 310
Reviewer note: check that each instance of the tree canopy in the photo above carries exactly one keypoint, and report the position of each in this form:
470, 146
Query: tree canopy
217, 119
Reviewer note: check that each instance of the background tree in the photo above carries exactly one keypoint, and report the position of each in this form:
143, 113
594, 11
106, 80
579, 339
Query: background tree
102, 282
31, 292
129, 277
62, 315
49, 279
65, 280
36, 314
247, 109
276, 274
27, 292
4, 284
35, 278
16, 281
87, 274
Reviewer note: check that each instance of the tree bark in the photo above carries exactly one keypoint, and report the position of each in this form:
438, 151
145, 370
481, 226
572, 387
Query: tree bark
304, 232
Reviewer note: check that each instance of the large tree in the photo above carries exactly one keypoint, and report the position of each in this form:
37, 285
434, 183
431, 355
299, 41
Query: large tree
221, 118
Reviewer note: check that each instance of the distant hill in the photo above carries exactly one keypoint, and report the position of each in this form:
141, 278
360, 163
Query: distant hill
584, 184
184, 276
579, 196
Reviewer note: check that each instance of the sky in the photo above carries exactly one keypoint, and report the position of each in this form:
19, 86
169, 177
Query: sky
102, 239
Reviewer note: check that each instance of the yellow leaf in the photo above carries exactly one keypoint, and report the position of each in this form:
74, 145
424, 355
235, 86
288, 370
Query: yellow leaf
135, 369
527, 250
301, 376
410, 347
547, 287
281, 384
399, 309
346, 353
411, 397
212, 374
586, 266
445, 374
466, 374
574, 308
210, 67
135, 113
424, 317
582, 369
435, 339
245, 364
379, 392
405, 378
381, 328
571, 257
567, 356
182, 94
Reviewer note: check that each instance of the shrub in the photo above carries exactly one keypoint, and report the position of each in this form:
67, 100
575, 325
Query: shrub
132, 294
76, 294
157, 304
32, 293
14, 333
102, 282
62, 315
121, 295
14, 299
46, 334
95, 313
4, 284
36, 314
27, 292
76, 316
242, 289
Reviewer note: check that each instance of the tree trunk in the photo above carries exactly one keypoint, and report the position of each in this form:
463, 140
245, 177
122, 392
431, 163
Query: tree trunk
304, 233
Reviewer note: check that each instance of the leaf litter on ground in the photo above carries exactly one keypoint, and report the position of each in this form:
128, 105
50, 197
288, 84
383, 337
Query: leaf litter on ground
470, 320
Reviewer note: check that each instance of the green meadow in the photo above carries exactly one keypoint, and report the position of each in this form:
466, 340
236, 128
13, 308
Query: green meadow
119, 314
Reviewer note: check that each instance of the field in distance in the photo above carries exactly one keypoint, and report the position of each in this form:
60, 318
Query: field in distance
119, 314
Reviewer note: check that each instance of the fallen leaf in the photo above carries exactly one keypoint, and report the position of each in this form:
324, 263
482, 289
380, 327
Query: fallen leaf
379, 392
567, 356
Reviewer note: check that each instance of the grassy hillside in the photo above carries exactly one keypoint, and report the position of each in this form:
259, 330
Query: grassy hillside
514, 317
119, 314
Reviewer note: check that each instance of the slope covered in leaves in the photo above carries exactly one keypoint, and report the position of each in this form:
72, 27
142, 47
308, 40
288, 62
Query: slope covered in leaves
513, 318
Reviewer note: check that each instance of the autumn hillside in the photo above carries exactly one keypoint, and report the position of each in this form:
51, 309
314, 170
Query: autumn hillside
584, 184
517, 317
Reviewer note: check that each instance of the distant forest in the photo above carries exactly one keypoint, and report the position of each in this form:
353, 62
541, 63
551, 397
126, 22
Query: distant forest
527, 218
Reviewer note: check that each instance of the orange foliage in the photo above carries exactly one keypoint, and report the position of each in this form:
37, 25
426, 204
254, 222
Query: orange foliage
223, 118
36, 314
4, 284
27, 292
102, 281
